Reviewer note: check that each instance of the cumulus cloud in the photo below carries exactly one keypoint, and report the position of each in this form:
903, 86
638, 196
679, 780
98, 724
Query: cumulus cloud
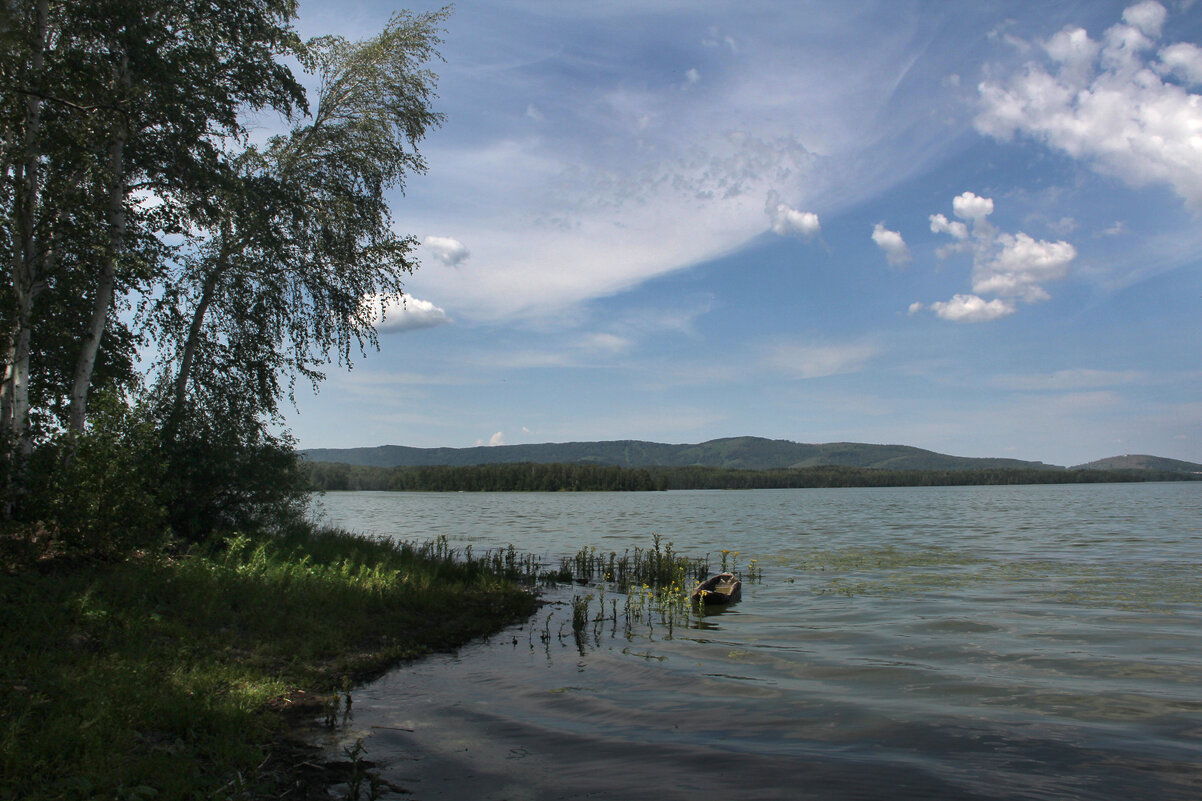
1021, 264
410, 314
1148, 16
896, 252
819, 361
791, 222
448, 250
1182, 60
493, 441
968, 206
692, 76
971, 309
1011, 266
942, 225
1108, 103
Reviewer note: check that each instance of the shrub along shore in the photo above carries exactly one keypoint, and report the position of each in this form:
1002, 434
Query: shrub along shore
181, 675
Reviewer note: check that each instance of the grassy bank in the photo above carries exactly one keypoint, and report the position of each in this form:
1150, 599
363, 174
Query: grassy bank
171, 677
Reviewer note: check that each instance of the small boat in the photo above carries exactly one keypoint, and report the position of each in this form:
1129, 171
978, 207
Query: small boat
719, 590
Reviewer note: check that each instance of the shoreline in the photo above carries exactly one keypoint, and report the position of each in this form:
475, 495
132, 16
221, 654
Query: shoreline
185, 675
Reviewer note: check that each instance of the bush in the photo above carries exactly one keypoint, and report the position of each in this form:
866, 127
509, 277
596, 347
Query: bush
228, 473
95, 493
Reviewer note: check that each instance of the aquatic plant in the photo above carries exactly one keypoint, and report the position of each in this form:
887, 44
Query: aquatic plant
656, 566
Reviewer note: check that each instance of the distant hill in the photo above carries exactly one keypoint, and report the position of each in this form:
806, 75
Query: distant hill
751, 453
1137, 461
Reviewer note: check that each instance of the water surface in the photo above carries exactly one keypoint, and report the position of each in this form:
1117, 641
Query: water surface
1037, 642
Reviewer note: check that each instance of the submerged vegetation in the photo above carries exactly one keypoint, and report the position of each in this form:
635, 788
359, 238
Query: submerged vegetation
634, 592
529, 477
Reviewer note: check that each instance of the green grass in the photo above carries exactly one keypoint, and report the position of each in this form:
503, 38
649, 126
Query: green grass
164, 677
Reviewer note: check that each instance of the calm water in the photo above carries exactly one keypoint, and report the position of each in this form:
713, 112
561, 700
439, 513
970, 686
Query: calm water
961, 643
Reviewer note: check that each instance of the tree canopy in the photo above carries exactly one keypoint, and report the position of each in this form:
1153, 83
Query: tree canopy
138, 220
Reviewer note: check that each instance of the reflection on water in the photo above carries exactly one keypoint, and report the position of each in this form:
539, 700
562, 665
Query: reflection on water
979, 642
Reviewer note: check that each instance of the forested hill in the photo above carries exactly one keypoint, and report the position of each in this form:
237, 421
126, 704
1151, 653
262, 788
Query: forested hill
1142, 462
750, 453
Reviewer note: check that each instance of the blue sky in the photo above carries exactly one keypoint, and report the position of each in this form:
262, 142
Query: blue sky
969, 227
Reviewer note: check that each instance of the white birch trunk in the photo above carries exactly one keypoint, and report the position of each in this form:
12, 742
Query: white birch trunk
86, 361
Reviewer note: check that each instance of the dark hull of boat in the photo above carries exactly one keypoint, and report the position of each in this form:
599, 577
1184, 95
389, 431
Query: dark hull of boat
719, 590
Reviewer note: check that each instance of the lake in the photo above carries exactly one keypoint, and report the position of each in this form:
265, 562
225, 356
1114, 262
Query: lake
1031, 642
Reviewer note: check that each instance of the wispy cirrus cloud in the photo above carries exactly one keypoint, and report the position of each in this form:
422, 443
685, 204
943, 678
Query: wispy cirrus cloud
1074, 379
807, 360
588, 182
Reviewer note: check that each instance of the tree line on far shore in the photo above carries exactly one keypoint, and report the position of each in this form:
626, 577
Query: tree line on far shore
531, 477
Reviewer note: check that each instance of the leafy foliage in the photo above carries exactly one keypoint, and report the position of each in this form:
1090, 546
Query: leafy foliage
133, 211
99, 502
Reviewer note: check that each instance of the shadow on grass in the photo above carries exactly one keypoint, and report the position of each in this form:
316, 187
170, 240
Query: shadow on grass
169, 677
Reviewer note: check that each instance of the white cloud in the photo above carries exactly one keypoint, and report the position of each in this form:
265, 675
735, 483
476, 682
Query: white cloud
819, 361
1022, 264
692, 76
1064, 226
1107, 104
968, 206
1012, 266
971, 309
497, 439
448, 250
562, 231
628, 178
892, 243
942, 225
605, 343
1148, 16
410, 314
1183, 60
791, 222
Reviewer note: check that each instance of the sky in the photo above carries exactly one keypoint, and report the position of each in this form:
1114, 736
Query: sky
969, 227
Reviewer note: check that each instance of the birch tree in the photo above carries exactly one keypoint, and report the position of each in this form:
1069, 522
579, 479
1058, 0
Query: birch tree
295, 270
107, 103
